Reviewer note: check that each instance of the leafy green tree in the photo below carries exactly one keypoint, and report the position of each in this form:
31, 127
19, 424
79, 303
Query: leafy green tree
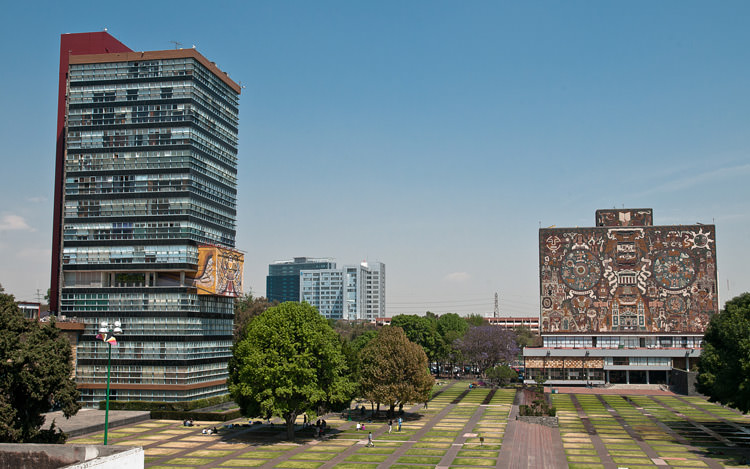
35, 374
420, 330
724, 370
289, 362
450, 327
361, 341
476, 320
502, 374
246, 308
525, 337
394, 370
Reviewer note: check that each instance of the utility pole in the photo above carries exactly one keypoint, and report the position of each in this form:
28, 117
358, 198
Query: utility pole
497, 306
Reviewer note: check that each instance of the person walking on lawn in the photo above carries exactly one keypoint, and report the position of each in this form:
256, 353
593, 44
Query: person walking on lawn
369, 440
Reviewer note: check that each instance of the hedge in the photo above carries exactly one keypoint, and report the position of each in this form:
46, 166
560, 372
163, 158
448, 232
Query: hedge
186, 415
184, 406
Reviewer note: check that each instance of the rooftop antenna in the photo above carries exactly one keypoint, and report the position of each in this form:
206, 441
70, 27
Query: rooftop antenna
177, 45
497, 306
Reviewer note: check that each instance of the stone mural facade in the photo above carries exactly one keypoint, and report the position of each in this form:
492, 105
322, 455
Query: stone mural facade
626, 275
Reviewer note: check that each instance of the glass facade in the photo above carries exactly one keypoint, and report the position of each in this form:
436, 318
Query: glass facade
283, 280
150, 173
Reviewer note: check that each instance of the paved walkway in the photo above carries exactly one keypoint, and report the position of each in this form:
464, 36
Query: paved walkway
523, 445
92, 420
527, 445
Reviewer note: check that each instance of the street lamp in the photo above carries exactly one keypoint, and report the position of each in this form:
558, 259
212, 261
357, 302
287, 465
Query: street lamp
107, 334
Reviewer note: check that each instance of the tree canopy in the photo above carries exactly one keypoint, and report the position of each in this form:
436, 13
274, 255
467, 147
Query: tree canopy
289, 362
394, 370
486, 346
421, 330
246, 308
36, 369
724, 370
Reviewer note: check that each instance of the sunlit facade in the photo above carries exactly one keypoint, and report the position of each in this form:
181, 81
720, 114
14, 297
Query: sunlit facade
147, 187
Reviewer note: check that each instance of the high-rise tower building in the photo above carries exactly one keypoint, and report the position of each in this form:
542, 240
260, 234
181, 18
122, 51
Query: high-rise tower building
354, 292
282, 282
145, 214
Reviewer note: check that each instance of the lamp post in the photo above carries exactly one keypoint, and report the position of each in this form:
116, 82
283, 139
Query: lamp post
107, 334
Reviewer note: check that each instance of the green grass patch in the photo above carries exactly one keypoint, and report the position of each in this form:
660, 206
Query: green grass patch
378, 450
431, 460
300, 464
474, 462
585, 466
427, 444
355, 466
208, 453
242, 463
424, 452
582, 458
361, 457
188, 461
261, 454
478, 453
314, 456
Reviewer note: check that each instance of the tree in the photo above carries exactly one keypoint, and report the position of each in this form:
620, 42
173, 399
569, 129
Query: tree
246, 308
289, 362
476, 320
525, 337
394, 370
724, 371
451, 327
36, 369
420, 330
502, 374
486, 346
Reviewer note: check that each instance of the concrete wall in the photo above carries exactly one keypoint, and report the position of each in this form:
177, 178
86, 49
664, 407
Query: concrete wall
33, 456
683, 382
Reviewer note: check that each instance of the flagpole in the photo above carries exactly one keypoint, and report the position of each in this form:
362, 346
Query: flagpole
107, 334
106, 412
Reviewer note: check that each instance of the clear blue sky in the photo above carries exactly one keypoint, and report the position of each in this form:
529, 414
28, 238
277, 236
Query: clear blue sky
434, 136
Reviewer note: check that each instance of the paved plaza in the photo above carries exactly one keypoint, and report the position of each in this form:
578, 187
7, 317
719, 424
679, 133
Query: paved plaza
468, 428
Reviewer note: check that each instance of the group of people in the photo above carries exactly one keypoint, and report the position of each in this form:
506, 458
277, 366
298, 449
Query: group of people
210, 431
320, 427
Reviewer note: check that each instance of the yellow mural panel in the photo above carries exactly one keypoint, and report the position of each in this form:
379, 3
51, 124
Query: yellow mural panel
219, 271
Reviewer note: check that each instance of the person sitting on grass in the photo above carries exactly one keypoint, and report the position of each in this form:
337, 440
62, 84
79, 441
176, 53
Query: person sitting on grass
359, 426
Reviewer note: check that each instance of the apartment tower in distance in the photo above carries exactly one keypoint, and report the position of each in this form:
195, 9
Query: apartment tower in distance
282, 282
624, 302
144, 217
354, 292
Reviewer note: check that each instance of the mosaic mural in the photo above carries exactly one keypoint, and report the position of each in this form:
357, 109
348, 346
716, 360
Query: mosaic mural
628, 278
625, 217
219, 271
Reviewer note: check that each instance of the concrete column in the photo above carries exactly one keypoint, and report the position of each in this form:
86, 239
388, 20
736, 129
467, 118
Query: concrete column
647, 378
607, 377
182, 279
687, 363
627, 376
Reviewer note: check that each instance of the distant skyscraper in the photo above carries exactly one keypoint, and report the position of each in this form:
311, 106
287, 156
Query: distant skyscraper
282, 282
353, 292
145, 214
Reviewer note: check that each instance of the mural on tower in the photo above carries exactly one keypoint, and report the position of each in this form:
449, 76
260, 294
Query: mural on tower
219, 271
631, 277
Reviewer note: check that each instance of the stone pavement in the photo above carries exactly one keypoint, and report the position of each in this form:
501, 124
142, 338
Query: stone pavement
92, 420
528, 445
447, 434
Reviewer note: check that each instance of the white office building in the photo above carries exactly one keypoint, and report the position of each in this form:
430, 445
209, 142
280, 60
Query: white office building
352, 292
